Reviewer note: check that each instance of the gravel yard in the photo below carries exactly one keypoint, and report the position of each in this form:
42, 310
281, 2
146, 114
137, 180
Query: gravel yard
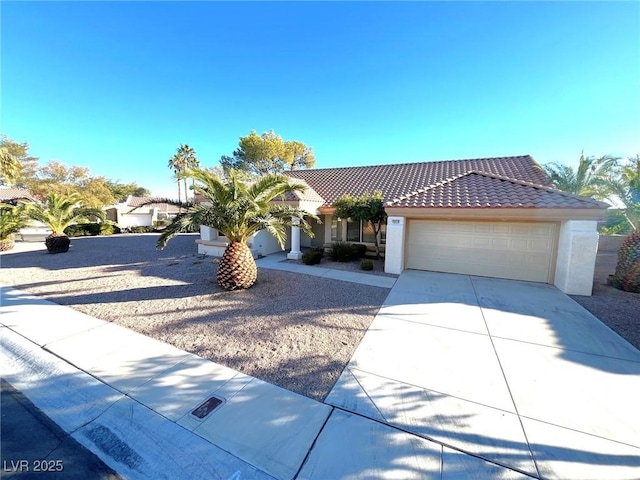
617, 309
295, 331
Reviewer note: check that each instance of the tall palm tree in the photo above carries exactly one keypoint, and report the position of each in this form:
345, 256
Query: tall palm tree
586, 180
58, 212
184, 158
238, 210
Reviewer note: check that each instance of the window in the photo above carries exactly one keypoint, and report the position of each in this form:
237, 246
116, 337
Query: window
353, 231
362, 232
367, 233
383, 234
336, 230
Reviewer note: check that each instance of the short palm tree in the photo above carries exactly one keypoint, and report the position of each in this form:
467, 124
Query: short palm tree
586, 180
238, 210
12, 219
58, 212
625, 185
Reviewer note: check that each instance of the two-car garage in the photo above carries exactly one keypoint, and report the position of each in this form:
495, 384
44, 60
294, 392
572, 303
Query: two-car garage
513, 250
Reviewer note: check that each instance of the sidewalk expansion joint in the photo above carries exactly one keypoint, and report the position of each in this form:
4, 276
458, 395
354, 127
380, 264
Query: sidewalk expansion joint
444, 444
506, 382
313, 444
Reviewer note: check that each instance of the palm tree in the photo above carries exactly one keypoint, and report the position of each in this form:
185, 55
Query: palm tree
238, 210
624, 183
12, 219
184, 158
586, 180
58, 212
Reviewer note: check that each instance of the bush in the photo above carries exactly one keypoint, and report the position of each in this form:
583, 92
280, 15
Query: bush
141, 229
359, 250
82, 230
341, 252
162, 223
366, 265
108, 229
312, 256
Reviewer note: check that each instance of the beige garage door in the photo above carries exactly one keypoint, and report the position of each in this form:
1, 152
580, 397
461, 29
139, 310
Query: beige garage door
519, 251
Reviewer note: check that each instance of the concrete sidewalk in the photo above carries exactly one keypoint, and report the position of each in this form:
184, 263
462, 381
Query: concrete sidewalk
140, 405
277, 261
514, 372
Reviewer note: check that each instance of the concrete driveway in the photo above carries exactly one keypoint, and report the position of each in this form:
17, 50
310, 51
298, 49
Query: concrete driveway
513, 372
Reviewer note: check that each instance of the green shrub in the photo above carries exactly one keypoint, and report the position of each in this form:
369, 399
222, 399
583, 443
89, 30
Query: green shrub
107, 228
312, 256
359, 250
366, 265
341, 252
82, 230
141, 229
161, 223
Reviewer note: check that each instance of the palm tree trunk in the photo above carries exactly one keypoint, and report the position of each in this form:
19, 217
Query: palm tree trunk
237, 267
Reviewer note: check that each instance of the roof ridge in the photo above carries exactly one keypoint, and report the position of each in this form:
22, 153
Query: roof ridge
429, 187
536, 185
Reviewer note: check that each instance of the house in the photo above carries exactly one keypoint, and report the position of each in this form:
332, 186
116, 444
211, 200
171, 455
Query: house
126, 215
12, 195
494, 217
36, 231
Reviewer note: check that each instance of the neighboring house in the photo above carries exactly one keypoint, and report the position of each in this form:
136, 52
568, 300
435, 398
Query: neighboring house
36, 231
14, 195
126, 215
494, 217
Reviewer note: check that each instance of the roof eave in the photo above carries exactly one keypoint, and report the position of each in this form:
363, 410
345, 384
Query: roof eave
499, 213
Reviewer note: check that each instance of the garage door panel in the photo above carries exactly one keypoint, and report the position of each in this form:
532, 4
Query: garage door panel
505, 250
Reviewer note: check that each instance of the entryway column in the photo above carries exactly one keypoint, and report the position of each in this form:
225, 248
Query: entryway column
295, 253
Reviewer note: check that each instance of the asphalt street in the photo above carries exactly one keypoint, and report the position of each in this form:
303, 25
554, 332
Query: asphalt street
34, 447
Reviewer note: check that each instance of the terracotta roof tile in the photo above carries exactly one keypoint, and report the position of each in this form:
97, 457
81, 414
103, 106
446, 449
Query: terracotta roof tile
516, 182
161, 206
482, 190
9, 193
308, 195
399, 180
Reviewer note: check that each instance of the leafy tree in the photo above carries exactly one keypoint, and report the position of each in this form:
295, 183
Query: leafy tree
20, 164
58, 212
55, 177
121, 191
238, 209
184, 158
10, 167
586, 180
298, 155
365, 208
266, 154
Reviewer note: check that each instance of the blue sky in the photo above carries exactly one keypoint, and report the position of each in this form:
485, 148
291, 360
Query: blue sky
117, 86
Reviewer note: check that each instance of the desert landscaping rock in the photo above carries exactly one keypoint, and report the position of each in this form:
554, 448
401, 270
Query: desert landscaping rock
293, 330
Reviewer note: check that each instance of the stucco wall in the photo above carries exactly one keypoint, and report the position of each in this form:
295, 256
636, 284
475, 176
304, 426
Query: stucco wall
576, 259
394, 252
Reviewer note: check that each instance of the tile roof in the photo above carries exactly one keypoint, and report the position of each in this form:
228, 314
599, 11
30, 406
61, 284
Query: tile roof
9, 193
482, 190
489, 182
309, 194
161, 206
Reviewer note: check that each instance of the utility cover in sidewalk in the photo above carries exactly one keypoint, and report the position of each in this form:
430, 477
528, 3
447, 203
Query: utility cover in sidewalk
207, 407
